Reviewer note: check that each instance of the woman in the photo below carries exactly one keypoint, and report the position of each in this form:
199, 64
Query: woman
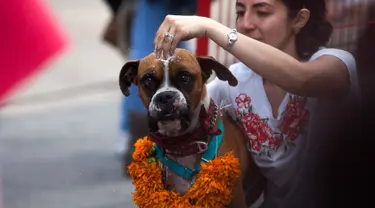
289, 87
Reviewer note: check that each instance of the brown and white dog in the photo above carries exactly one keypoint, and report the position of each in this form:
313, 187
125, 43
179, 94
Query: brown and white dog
174, 92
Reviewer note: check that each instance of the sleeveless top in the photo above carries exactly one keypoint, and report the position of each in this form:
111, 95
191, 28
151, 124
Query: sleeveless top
282, 147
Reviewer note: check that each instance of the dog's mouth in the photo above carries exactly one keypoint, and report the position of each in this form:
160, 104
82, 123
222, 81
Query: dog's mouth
169, 113
170, 122
171, 128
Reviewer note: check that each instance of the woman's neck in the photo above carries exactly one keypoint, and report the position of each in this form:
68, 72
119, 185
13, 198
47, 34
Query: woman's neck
291, 49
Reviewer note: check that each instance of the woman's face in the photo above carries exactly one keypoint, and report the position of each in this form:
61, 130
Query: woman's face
266, 21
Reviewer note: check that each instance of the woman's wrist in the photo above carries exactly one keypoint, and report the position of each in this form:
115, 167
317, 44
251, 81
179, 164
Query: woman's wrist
208, 25
217, 32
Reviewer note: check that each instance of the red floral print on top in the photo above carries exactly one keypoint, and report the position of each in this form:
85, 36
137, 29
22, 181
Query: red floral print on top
258, 132
295, 119
261, 138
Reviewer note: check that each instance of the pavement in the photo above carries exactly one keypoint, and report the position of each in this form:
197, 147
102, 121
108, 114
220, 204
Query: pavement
58, 130
64, 158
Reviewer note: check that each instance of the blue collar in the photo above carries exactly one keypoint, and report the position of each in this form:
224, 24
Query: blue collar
186, 172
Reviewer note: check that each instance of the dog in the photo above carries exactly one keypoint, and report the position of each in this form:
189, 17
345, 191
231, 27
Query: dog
174, 92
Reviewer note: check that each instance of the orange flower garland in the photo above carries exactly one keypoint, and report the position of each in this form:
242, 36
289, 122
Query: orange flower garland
213, 187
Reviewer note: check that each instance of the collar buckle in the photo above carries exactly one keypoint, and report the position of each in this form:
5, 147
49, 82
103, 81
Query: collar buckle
202, 146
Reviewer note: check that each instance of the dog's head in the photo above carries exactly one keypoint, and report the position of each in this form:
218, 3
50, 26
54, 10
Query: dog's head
172, 90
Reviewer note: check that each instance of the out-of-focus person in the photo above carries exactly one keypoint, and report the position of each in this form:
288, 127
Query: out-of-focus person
344, 179
117, 31
132, 31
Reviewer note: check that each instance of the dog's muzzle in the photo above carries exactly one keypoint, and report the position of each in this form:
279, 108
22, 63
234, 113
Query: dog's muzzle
168, 110
167, 105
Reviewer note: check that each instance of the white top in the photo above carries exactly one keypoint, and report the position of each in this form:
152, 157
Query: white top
279, 145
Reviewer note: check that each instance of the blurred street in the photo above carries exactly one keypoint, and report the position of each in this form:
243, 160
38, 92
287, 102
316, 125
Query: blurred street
64, 158
58, 132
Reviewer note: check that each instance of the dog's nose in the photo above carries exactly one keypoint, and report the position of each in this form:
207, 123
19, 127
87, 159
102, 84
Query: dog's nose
165, 98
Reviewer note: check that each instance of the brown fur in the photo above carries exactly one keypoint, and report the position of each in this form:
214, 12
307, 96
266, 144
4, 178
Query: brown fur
234, 140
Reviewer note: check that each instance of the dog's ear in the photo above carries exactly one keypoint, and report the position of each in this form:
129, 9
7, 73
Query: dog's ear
208, 63
128, 75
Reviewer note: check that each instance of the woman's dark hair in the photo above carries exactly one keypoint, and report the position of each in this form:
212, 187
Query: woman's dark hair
318, 29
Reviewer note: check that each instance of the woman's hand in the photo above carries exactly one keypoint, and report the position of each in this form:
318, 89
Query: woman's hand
176, 28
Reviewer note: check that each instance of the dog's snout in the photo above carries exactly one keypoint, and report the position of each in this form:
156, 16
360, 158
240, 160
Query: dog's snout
164, 98
168, 105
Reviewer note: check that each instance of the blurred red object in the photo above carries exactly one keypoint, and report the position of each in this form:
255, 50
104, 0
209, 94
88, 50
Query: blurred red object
202, 43
29, 37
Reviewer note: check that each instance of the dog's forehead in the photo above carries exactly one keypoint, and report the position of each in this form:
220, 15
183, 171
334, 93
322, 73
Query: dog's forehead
182, 59
150, 64
185, 58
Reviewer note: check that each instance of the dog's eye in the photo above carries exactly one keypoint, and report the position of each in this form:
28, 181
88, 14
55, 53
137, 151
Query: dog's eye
147, 81
185, 78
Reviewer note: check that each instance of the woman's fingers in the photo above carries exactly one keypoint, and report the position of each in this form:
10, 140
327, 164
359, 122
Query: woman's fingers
173, 30
169, 38
177, 38
165, 38
159, 38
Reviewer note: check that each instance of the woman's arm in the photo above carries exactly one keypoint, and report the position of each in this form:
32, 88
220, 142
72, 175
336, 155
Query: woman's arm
327, 76
324, 77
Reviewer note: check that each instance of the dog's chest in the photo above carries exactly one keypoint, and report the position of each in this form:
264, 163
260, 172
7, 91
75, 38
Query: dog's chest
177, 183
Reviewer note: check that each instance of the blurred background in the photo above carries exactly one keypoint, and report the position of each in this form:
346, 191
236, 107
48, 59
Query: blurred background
59, 126
58, 129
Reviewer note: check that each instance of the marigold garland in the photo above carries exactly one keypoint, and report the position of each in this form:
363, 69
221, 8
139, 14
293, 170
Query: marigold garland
213, 187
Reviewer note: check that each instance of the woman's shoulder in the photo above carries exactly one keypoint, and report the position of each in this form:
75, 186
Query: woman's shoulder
343, 55
346, 57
